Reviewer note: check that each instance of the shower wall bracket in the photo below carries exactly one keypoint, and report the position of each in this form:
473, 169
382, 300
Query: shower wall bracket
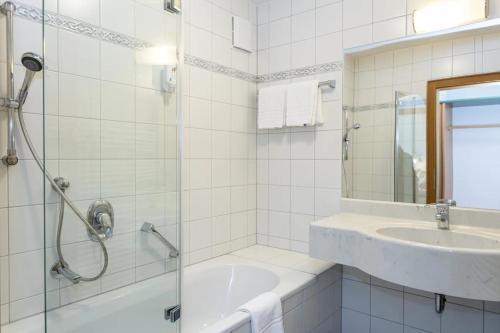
10, 102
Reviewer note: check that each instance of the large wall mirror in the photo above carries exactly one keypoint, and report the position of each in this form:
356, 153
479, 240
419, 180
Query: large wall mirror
415, 132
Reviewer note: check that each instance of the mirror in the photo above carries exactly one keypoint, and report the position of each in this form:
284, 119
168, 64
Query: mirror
420, 141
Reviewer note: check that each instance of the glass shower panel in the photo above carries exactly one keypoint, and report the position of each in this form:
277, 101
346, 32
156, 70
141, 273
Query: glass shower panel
111, 136
409, 149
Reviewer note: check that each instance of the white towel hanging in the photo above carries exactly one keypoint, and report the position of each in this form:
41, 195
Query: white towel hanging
271, 110
302, 101
266, 313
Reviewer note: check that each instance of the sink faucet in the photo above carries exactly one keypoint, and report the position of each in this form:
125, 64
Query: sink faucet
443, 213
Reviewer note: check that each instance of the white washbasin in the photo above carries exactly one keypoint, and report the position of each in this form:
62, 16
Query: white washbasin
463, 261
443, 238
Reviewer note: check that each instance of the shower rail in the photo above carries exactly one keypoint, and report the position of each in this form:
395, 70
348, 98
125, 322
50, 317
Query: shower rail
150, 228
10, 103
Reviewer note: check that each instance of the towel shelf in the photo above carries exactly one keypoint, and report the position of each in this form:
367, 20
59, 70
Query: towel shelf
329, 84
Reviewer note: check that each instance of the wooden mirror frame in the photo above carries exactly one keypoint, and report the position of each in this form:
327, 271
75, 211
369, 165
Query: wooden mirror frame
432, 90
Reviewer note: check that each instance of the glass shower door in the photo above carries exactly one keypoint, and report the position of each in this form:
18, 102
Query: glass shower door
409, 148
111, 139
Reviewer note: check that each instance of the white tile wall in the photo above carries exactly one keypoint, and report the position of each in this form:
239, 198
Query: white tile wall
220, 135
293, 179
293, 165
372, 305
112, 132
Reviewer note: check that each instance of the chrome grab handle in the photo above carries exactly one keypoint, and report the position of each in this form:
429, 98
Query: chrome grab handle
150, 228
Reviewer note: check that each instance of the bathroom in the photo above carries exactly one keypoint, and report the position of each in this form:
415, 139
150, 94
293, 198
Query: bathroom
154, 179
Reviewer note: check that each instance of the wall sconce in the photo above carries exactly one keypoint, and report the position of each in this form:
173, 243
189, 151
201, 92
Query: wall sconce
444, 14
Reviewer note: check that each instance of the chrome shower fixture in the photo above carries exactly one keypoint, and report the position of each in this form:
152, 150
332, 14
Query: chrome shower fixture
33, 64
8, 8
346, 140
355, 127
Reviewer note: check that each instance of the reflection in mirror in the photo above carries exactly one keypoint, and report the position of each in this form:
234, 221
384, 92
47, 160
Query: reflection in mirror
420, 142
467, 145
384, 133
409, 148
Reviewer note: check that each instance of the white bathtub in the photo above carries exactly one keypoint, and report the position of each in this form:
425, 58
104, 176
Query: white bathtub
212, 292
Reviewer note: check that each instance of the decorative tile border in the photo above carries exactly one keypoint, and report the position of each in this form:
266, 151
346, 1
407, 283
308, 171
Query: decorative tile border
217, 68
90, 30
285, 75
77, 26
301, 72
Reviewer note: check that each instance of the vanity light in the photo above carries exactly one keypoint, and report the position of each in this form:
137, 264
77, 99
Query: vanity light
443, 14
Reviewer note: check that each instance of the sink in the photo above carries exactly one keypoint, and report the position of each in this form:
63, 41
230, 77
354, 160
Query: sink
462, 262
443, 238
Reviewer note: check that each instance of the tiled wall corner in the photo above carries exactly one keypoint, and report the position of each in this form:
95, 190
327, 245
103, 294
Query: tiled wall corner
220, 113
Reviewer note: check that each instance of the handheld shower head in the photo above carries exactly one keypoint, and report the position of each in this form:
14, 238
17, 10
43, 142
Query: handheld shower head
33, 63
355, 127
346, 139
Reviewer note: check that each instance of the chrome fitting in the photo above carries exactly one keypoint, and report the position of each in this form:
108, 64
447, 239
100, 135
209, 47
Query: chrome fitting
11, 158
62, 183
8, 6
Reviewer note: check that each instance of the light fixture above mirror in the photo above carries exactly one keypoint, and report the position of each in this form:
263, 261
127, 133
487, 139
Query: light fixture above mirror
444, 14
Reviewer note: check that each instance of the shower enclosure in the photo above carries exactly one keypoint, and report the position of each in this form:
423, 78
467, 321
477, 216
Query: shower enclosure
90, 184
409, 148
384, 150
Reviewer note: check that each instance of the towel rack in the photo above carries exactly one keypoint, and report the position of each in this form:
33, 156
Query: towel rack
328, 83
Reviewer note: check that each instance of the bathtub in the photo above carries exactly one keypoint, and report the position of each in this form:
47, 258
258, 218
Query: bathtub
212, 292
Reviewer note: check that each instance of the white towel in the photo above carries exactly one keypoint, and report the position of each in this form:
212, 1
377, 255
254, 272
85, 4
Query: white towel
319, 108
303, 104
265, 312
272, 107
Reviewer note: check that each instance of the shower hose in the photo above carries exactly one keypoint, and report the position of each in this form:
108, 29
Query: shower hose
64, 199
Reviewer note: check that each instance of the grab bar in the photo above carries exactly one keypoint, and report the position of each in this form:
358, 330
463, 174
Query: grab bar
150, 228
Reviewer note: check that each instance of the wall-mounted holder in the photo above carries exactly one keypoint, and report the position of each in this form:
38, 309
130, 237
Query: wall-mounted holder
172, 6
168, 78
327, 84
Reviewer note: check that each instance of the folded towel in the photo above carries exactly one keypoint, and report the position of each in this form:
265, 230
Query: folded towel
272, 107
302, 103
319, 109
265, 312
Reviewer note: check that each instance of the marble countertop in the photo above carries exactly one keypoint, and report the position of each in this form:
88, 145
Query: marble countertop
469, 271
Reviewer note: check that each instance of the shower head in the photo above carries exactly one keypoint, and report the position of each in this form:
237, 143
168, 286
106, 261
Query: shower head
33, 63
354, 126
346, 139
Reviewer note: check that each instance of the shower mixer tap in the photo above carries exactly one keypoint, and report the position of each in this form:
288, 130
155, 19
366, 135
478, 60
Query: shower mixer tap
102, 219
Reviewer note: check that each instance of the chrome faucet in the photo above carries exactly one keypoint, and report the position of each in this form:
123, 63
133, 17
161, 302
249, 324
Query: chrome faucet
443, 213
